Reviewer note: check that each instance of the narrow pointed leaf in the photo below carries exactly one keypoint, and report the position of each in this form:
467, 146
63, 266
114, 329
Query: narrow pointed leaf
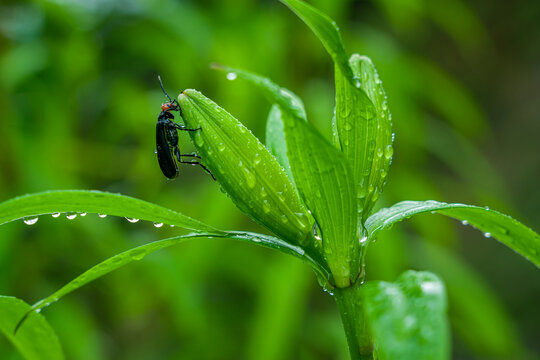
140, 252
408, 318
275, 140
94, 202
324, 180
364, 69
364, 129
326, 30
507, 230
32, 205
37, 340
251, 176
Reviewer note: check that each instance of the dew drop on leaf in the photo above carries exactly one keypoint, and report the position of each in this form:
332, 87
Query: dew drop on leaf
158, 224
71, 216
132, 220
55, 215
31, 221
487, 234
102, 215
231, 76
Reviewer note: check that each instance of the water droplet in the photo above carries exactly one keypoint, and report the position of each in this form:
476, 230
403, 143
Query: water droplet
284, 219
132, 220
83, 214
257, 159
37, 311
231, 76
266, 207
388, 152
379, 152
357, 83
256, 239
250, 178
263, 192
347, 126
199, 141
465, 222
363, 241
30, 221
384, 106
55, 215
71, 216
221, 147
487, 234
486, 207
393, 137
102, 215
158, 224
171, 225
138, 254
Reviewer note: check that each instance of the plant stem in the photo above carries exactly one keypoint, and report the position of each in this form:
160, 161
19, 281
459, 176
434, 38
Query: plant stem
352, 316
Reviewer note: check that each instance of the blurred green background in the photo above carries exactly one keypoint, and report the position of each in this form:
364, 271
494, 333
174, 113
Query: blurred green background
79, 99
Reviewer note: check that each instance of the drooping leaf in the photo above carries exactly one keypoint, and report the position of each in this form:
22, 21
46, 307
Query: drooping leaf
323, 178
245, 169
29, 206
494, 224
326, 30
37, 340
364, 129
99, 202
140, 252
408, 318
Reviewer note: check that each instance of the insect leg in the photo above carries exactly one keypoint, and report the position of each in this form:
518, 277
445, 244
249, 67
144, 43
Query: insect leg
183, 128
201, 165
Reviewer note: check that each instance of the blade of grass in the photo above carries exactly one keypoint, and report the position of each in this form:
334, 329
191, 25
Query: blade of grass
140, 252
99, 202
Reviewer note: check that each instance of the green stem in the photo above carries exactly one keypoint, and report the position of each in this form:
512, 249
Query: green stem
352, 316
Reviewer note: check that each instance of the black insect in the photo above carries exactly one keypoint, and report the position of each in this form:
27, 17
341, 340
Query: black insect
167, 149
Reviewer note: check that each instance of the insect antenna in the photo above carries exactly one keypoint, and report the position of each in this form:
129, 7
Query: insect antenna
162, 88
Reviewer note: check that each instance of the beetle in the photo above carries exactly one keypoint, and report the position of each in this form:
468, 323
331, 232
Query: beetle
167, 149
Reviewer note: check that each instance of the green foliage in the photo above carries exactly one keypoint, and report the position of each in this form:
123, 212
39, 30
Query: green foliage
35, 341
349, 176
408, 317
502, 227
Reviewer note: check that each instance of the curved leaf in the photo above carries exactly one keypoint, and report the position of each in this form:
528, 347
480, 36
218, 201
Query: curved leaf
37, 341
326, 30
140, 252
93, 201
119, 205
408, 318
507, 230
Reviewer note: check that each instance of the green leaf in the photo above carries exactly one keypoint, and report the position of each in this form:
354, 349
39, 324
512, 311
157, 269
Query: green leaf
477, 315
507, 230
275, 140
323, 178
119, 205
140, 252
364, 129
95, 202
249, 174
408, 318
326, 30
37, 339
